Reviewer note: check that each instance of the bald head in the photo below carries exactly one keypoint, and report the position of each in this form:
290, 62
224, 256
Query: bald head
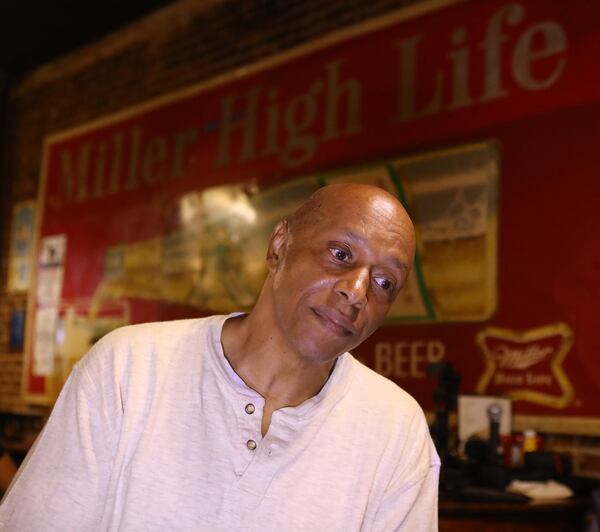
333, 202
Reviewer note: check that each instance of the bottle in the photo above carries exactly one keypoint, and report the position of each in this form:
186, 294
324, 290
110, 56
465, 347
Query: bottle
530, 443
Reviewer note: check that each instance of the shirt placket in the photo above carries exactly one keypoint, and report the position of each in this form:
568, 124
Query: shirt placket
267, 457
249, 410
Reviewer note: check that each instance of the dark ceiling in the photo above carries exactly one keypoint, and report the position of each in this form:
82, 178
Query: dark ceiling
33, 32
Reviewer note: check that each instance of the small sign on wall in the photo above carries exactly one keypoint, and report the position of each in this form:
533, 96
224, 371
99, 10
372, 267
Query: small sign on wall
21, 245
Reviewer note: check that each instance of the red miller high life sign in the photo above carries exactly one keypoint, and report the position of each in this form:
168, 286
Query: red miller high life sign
521, 74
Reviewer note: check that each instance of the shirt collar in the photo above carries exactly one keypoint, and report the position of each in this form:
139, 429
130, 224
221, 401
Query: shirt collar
332, 391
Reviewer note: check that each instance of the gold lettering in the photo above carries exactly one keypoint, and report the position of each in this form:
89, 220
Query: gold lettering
401, 359
75, 174
272, 123
228, 124
153, 163
100, 165
298, 117
492, 45
436, 351
116, 164
460, 77
555, 42
182, 141
406, 103
417, 357
383, 358
351, 90
132, 181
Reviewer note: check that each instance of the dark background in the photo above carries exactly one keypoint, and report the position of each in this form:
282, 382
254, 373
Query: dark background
33, 32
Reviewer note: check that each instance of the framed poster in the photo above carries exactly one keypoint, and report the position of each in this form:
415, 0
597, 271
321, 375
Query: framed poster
478, 115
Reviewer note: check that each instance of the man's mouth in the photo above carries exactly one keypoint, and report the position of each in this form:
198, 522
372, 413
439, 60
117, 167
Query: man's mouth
334, 321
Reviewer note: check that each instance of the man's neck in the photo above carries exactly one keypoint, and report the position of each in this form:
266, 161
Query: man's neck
266, 364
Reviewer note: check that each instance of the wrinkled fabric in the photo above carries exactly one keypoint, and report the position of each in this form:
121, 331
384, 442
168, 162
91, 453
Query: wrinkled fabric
153, 432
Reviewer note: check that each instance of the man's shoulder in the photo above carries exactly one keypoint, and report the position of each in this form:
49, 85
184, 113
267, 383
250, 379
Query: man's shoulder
152, 333
382, 394
134, 347
391, 414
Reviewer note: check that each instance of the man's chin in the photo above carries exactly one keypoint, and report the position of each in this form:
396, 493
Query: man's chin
323, 353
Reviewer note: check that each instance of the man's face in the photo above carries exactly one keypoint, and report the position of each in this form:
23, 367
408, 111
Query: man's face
335, 279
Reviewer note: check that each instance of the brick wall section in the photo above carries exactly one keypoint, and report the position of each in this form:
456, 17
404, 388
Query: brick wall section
185, 43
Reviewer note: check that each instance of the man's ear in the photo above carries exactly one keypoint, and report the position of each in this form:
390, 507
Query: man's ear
277, 245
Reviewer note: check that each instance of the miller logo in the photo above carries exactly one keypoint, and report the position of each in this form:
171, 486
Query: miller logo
527, 365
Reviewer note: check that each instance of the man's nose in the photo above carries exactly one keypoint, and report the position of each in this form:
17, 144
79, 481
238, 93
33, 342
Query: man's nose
354, 286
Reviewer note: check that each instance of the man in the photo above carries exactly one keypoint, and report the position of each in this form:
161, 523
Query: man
251, 422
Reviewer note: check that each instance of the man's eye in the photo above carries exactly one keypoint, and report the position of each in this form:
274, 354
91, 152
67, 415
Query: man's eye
339, 254
384, 283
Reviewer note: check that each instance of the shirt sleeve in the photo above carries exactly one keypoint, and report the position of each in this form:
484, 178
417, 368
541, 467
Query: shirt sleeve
62, 483
410, 502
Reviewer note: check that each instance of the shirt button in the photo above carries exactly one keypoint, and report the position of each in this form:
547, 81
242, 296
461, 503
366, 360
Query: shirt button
249, 408
251, 444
